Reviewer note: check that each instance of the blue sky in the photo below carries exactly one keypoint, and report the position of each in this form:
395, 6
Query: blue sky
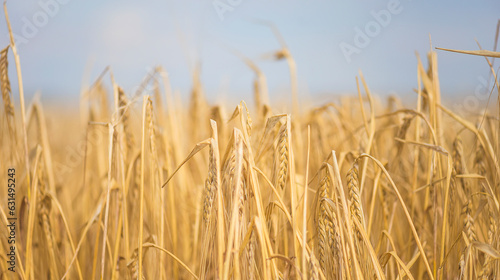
58, 39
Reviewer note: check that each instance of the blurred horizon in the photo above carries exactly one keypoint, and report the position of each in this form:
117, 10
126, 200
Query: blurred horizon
58, 40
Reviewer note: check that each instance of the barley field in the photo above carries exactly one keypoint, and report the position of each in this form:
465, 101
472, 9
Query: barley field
135, 185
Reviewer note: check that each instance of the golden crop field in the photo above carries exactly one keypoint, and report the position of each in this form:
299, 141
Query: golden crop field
137, 186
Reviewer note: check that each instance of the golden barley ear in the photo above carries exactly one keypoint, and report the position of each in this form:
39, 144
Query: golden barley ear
355, 197
124, 108
248, 119
150, 119
210, 185
282, 151
6, 91
328, 238
469, 227
44, 208
133, 266
322, 225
